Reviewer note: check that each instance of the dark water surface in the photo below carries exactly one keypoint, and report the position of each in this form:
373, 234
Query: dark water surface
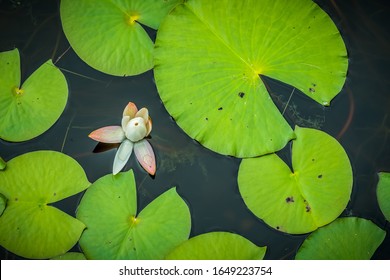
358, 118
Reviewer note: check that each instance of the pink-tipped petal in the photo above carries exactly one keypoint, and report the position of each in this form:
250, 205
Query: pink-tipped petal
130, 110
148, 126
143, 113
122, 156
145, 156
108, 134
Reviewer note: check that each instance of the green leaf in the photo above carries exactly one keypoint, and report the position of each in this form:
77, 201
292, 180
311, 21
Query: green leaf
29, 110
345, 239
29, 227
115, 231
210, 56
70, 256
108, 35
3, 164
217, 246
383, 193
299, 201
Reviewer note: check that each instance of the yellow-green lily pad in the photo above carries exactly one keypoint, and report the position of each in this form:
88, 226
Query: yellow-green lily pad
345, 239
210, 57
116, 231
314, 193
383, 193
30, 109
29, 226
108, 34
217, 246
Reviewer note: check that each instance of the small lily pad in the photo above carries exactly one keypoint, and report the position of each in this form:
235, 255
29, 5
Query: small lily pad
109, 36
217, 246
210, 57
30, 109
383, 193
116, 231
299, 201
70, 256
29, 226
345, 239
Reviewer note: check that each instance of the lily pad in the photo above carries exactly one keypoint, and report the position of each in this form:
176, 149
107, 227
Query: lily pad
383, 193
311, 195
217, 246
109, 36
29, 226
30, 109
210, 57
345, 239
70, 256
116, 231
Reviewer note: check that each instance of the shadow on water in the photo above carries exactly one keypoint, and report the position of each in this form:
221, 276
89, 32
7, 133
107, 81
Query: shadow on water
358, 118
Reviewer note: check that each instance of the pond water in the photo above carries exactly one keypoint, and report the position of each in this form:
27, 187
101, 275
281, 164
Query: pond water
358, 118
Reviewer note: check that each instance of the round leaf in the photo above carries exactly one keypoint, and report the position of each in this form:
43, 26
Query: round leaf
108, 35
29, 227
217, 246
299, 201
115, 231
345, 239
210, 56
383, 193
31, 109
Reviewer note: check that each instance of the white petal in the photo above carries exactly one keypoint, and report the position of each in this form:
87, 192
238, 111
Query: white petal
122, 156
145, 156
143, 113
125, 121
136, 129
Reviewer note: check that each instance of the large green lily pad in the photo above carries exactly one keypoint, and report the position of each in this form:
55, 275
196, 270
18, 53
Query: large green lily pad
116, 231
311, 195
383, 193
217, 246
29, 226
345, 239
210, 56
108, 34
30, 109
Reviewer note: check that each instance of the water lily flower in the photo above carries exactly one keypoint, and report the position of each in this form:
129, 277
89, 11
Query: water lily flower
136, 125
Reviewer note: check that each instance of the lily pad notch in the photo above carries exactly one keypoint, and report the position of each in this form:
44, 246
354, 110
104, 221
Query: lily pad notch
219, 49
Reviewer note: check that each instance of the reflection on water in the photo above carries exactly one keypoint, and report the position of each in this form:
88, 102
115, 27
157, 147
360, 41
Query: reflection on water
358, 117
